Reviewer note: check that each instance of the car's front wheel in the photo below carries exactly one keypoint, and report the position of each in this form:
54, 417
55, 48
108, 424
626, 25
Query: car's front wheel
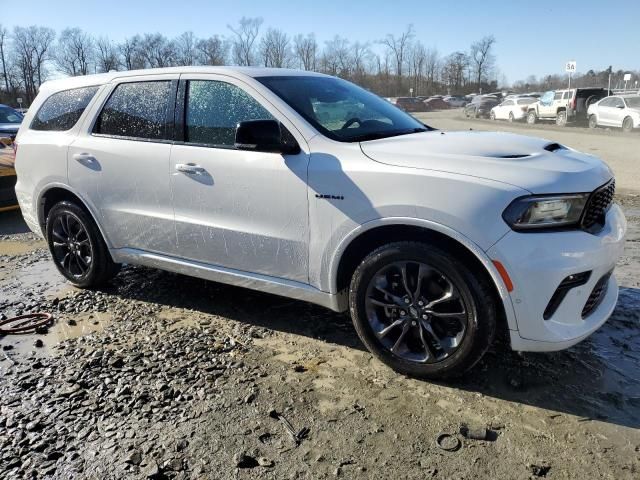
421, 310
561, 118
532, 118
77, 247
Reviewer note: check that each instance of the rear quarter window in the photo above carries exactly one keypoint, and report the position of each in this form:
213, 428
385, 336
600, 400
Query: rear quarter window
62, 110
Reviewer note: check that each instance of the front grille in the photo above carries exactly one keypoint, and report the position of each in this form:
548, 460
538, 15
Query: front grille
597, 295
597, 207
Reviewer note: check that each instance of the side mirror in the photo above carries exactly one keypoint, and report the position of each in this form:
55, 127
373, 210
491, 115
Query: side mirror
265, 136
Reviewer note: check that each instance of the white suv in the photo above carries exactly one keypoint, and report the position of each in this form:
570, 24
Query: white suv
307, 186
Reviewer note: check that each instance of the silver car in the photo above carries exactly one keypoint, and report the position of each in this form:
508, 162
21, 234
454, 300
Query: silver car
616, 111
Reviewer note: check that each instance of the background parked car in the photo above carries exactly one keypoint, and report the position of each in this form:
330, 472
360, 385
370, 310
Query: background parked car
436, 104
565, 106
456, 101
480, 106
616, 111
10, 120
7, 175
409, 104
512, 109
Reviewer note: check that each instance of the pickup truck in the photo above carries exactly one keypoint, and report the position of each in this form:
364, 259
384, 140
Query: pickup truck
564, 106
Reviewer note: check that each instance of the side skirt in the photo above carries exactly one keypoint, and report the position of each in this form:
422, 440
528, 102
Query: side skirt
253, 281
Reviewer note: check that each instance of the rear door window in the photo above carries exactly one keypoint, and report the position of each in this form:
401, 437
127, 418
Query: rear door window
214, 109
138, 110
62, 110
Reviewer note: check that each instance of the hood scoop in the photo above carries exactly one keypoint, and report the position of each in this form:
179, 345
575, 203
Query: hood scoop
553, 147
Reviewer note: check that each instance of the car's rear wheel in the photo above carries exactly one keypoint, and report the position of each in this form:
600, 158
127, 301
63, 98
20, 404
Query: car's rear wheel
593, 121
532, 117
492, 115
421, 311
561, 118
511, 117
77, 247
627, 124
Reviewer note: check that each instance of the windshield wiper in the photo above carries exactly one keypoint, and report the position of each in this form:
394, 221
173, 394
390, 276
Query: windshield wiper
378, 135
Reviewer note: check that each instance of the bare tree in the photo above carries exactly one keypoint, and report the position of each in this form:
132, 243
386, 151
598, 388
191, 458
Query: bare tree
453, 71
360, 53
106, 55
213, 50
32, 46
335, 58
157, 51
398, 47
130, 51
3, 57
246, 34
74, 52
306, 50
275, 49
186, 49
482, 58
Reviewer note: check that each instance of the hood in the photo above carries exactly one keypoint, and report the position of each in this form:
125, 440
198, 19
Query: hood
534, 164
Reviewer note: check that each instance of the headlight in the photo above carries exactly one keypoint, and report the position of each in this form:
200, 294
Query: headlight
545, 211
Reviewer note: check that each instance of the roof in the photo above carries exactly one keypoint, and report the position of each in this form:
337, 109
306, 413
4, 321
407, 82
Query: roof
102, 78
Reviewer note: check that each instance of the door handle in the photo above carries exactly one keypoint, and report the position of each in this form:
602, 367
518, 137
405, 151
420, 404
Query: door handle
190, 169
84, 157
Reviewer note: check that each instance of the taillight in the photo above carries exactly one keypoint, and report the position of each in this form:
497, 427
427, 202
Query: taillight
572, 103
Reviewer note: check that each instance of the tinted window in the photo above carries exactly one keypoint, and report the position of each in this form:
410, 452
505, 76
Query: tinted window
9, 115
62, 110
557, 96
617, 102
607, 102
215, 108
138, 110
507, 103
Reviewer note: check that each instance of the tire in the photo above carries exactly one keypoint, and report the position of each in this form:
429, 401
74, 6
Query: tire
593, 121
511, 117
492, 116
472, 300
77, 246
476, 114
532, 118
627, 124
561, 118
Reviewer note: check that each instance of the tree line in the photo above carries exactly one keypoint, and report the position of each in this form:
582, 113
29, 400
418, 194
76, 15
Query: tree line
393, 65
389, 66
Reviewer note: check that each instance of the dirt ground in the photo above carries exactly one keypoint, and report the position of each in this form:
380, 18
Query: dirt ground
165, 376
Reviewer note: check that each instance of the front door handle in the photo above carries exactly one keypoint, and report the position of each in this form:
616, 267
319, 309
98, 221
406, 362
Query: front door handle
84, 157
190, 169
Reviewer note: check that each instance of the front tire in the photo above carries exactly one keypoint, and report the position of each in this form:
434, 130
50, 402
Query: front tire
511, 117
421, 311
77, 247
561, 118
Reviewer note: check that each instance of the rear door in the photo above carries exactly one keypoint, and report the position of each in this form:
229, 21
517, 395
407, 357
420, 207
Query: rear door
618, 112
119, 163
605, 111
237, 209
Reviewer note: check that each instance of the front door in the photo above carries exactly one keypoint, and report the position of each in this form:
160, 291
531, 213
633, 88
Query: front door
237, 209
120, 163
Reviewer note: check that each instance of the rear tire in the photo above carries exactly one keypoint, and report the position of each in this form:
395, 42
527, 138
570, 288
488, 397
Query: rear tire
593, 121
492, 116
561, 118
414, 335
511, 117
627, 124
532, 118
77, 247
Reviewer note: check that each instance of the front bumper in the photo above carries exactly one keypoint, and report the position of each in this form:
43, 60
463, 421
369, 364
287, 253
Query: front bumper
538, 262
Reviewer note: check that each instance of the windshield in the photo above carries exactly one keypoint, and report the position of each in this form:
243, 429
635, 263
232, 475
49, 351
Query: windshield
9, 115
633, 102
341, 110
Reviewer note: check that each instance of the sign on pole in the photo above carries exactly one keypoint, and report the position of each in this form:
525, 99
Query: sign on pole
627, 77
571, 68
411, 91
19, 100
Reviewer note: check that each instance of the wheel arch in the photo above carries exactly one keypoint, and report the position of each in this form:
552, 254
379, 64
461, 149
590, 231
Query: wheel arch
368, 237
58, 193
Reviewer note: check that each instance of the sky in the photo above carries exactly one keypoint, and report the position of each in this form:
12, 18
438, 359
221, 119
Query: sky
533, 38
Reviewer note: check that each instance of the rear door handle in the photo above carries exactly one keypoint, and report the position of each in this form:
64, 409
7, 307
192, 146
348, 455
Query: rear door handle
190, 169
84, 157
